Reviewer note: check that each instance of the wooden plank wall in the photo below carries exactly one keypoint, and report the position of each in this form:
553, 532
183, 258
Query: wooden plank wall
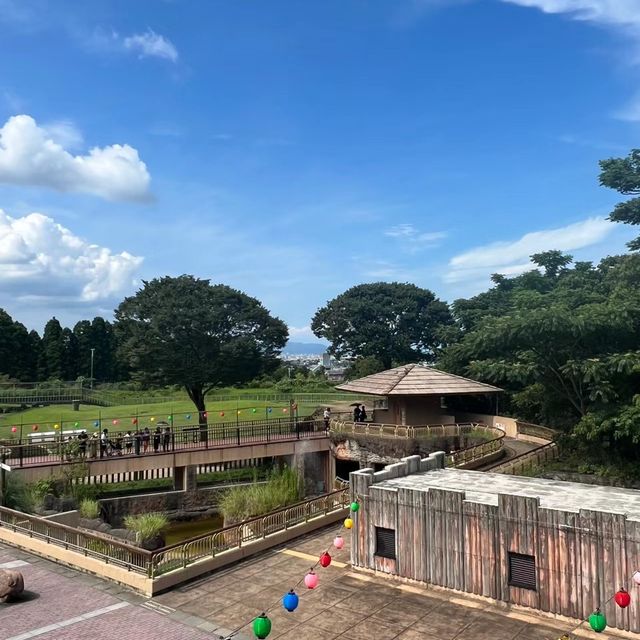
582, 559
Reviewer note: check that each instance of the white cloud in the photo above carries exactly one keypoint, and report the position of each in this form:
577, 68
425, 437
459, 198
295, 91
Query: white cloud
151, 45
304, 334
511, 258
40, 259
30, 155
65, 133
624, 13
412, 239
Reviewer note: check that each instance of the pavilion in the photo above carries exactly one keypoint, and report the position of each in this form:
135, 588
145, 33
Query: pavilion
416, 394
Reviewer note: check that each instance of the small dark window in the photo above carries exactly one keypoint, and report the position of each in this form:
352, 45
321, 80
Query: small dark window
522, 571
386, 543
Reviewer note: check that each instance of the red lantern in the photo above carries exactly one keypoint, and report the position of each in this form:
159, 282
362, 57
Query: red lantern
622, 598
222, 414
114, 422
35, 427
13, 429
134, 420
325, 560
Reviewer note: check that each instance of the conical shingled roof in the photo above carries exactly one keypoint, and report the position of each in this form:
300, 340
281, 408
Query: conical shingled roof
416, 380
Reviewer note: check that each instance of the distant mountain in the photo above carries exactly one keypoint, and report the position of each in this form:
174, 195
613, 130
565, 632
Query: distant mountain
304, 348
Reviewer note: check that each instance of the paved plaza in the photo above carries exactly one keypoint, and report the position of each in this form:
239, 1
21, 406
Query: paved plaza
62, 604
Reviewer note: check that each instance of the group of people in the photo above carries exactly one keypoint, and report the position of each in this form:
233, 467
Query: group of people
359, 413
138, 442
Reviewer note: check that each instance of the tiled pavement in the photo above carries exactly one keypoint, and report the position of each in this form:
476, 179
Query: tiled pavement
345, 606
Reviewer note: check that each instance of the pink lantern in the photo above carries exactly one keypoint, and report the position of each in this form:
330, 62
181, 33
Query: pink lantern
13, 429
311, 580
338, 542
114, 422
636, 577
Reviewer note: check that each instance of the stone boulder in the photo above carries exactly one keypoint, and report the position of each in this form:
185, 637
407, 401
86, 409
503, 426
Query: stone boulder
11, 584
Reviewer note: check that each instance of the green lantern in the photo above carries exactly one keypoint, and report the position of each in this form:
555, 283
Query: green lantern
76, 424
354, 506
262, 626
597, 621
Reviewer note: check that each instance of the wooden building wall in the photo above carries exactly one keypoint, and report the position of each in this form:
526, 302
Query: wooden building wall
581, 559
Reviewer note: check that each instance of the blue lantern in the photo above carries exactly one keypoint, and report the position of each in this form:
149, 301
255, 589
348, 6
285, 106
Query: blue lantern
96, 424
290, 601
188, 416
269, 409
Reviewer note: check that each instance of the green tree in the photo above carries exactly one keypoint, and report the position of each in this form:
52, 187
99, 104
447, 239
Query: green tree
623, 175
186, 331
391, 322
16, 358
52, 358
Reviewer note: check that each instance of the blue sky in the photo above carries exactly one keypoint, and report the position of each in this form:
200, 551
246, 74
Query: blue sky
294, 149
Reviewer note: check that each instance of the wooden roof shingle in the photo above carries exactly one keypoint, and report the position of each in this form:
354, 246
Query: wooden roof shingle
416, 380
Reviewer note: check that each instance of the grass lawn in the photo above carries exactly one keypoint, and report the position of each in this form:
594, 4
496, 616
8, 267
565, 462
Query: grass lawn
46, 417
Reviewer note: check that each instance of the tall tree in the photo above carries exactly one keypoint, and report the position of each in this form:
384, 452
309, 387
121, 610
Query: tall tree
390, 322
186, 331
623, 175
15, 349
53, 351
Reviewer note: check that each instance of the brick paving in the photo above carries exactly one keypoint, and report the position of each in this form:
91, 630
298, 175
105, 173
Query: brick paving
346, 605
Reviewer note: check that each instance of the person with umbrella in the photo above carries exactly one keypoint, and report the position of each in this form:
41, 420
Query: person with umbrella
356, 413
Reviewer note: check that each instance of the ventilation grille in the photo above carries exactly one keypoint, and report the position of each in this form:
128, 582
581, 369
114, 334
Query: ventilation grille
386, 543
522, 571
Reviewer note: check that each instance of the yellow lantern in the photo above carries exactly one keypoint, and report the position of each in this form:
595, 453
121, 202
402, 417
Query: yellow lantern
348, 523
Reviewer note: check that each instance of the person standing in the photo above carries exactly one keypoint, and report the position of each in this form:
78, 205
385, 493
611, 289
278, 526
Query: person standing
327, 418
356, 413
146, 437
137, 441
166, 439
157, 436
363, 414
128, 442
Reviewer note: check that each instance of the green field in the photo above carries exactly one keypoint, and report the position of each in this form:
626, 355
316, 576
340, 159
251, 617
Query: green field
66, 418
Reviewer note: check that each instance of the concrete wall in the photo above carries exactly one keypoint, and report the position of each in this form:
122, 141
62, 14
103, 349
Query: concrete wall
508, 425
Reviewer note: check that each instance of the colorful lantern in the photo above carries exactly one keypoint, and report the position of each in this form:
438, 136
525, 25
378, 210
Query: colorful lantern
325, 560
262, 626
284, 410
35, 427
622, 598
205, 414
338, 542
355, 506
13, 429
239, 411
348, 523
96, 424
188, 416
222, 414
170, 418
134, 420
114, 422
597, 621
253, 410
290, 601
636, 577
76, 424
56, 426
269, 409
152, 419
311, 580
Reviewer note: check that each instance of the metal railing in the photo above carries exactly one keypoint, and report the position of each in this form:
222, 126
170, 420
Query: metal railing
528, 460
181, 438
183, 554
88, 544
536, 430
175, 556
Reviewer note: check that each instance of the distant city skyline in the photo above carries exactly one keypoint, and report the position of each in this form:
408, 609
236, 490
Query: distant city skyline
293, 150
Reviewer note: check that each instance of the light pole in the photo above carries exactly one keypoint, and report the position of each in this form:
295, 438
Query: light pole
91, 383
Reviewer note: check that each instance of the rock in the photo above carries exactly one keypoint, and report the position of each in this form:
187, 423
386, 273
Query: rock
11, 584
90, 523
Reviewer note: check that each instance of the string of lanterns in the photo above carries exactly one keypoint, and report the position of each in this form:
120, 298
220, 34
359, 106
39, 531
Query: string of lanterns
261, 625
135, 420
597, 620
